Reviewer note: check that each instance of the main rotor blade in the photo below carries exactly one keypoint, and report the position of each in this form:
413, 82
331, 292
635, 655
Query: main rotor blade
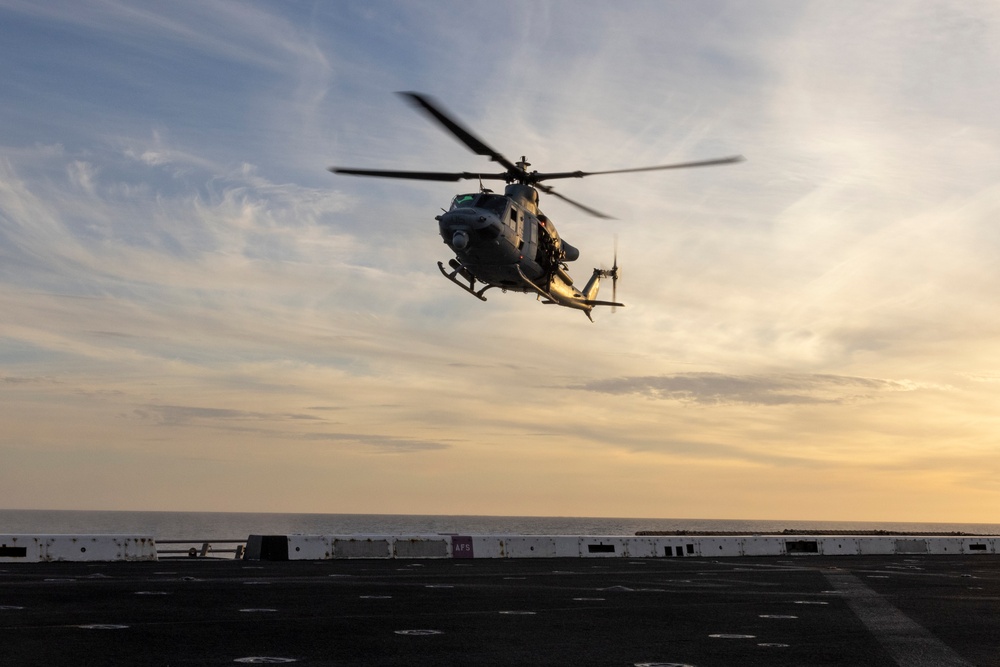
477, 145
417, 175
550, 191
680, 165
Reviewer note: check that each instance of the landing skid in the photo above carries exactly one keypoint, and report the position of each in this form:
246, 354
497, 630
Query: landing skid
542, 293
470, 288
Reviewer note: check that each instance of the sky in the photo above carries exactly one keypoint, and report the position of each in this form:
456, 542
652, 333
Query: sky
197, 315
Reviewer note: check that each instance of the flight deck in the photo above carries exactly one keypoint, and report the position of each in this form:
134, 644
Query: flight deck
802, 609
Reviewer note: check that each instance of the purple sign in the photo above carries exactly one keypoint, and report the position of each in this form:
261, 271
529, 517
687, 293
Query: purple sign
461, 546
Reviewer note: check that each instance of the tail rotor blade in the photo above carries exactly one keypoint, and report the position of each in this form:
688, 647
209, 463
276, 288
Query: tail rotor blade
614, 277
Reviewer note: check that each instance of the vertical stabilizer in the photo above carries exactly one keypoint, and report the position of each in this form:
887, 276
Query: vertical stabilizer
593, 285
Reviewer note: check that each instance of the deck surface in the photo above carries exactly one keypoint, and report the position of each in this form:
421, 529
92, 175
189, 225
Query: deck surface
803, 610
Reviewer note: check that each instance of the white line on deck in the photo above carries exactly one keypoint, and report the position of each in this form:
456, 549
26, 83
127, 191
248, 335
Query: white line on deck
909, 643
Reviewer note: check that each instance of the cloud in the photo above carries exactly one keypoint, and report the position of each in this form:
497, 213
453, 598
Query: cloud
987, 377
277, 425
173, 415
384, 443
765, 390
15, 380
137, 224
232, 30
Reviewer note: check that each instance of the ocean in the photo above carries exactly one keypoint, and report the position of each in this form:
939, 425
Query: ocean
199, 526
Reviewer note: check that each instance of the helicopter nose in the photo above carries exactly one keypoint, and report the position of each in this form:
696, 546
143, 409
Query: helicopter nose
466, 217
460, 240
461, 228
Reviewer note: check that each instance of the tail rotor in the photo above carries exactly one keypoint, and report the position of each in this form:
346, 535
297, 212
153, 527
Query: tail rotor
589, 293
614, 277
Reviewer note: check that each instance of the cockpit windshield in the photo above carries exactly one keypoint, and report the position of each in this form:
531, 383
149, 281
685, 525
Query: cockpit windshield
464, 201
491, 202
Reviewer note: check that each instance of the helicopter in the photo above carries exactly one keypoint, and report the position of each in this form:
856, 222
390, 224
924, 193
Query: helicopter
505, 241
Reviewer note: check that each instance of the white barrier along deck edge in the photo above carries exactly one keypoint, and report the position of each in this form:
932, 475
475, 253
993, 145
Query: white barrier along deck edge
322, 547
40, 548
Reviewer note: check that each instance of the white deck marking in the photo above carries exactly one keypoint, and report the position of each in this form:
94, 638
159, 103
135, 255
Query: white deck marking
909, 643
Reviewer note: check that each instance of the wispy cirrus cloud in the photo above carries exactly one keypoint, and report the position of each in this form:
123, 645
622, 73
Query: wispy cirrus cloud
767, 390
173, 415
231, 30
380, 442
307, 427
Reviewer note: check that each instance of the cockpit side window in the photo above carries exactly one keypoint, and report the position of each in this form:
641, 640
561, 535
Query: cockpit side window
495, 203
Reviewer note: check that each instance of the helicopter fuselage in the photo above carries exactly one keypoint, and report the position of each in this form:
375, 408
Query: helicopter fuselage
504, 241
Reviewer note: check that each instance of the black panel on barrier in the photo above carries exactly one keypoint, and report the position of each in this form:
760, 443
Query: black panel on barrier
266, 547
802, 547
